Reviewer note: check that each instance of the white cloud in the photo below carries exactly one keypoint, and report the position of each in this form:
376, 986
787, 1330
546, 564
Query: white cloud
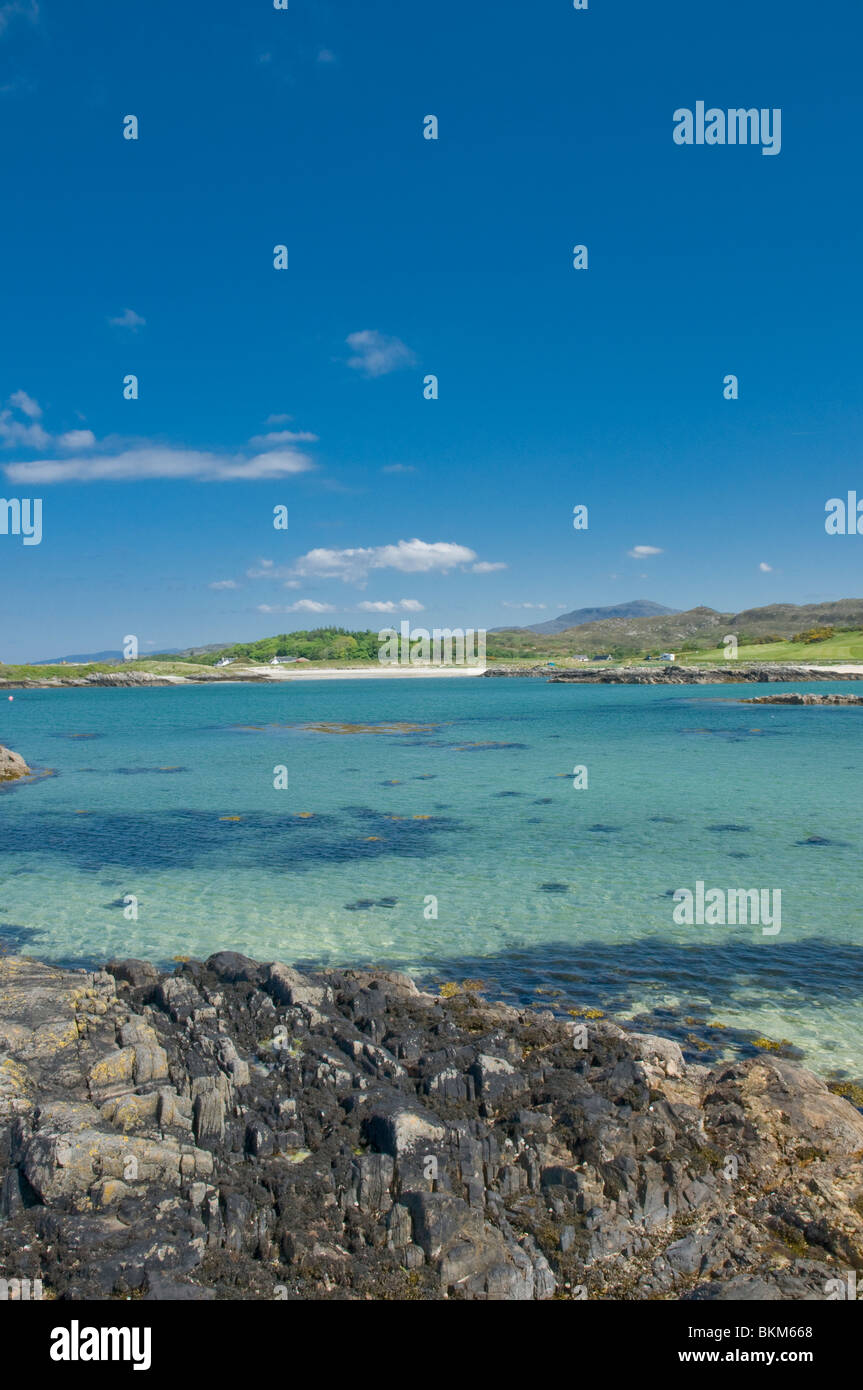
156, 461
26, 404
524, 605
278, 419
488, 566
17, 434
128, 319
638, 552
114, 460
28, 433
224, 584
408, 557
765, 568
303, 605
404, 605
375, 354
268, 441
77, 439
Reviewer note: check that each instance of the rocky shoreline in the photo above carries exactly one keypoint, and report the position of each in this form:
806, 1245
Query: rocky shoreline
237, 1130
611, 675
795, 698
696, 675
123, 680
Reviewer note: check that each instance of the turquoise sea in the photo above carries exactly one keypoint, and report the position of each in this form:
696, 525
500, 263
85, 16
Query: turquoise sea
461, 791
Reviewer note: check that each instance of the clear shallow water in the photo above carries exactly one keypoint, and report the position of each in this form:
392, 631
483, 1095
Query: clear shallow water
539, 887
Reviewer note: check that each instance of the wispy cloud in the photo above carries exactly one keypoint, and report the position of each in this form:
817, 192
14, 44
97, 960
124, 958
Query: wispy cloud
524, 605
18, 9
638, 552
375, 354
13, 433
223, 584
26, 404
488, 566
404, 605
303, 605
765, 568
128, 319
398, 468
77, 439
28, 433
154, 461
265, 456
269, 441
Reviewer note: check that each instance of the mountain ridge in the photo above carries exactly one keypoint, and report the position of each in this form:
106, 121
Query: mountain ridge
701, 626
632, 608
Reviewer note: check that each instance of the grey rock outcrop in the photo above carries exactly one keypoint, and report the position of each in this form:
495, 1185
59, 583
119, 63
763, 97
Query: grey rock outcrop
241, 1130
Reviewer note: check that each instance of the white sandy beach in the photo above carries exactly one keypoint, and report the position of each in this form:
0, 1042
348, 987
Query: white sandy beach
849, 668
333, 673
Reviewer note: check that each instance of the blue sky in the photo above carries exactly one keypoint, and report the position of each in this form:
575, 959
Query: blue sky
410, 257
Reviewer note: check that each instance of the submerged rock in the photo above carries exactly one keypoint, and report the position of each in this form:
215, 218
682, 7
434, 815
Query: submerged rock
241, 1130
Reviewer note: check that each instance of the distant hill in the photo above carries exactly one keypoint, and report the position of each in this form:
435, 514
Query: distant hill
668, 631
635, 608
623, 629
83, 659
701, 627
204, 651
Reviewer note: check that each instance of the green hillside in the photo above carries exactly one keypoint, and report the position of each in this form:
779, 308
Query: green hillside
842, 646
698, 630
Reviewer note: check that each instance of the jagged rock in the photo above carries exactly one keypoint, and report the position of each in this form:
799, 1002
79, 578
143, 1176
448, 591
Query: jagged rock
496, 1078
236, 1127
233, 968
288, 986
399, 1129
137, 973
